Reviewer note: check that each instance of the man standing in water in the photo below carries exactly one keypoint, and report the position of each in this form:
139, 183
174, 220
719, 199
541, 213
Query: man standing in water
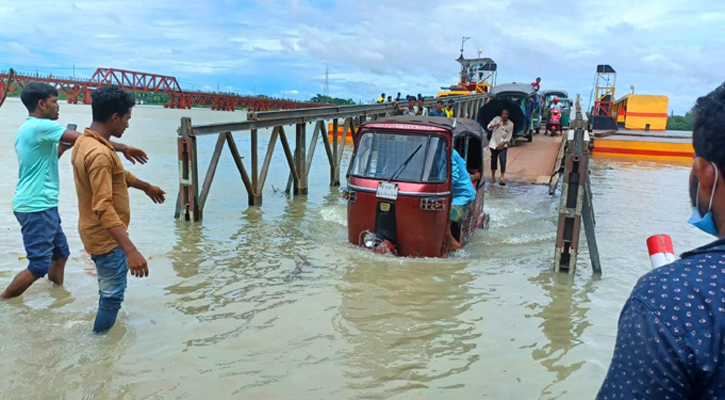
104, 212
36, 197
503, 129
671, 336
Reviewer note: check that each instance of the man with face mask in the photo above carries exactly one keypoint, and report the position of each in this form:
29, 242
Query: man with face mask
671, 336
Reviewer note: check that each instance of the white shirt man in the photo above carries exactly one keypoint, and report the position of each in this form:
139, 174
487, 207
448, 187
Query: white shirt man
502, 132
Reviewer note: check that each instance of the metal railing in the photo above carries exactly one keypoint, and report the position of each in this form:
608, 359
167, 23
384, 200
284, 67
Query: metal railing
576, 206
191, 201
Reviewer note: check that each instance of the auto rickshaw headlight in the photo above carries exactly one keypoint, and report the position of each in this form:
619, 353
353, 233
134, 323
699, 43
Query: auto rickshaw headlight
433, 203
349, 195
369, 240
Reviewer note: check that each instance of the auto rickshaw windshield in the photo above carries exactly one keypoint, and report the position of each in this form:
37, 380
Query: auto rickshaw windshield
381, 155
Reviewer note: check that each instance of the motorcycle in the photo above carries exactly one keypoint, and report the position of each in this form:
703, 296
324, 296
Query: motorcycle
553, 124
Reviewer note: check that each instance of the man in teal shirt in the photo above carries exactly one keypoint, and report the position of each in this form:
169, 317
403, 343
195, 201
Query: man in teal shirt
463, 195
39, 143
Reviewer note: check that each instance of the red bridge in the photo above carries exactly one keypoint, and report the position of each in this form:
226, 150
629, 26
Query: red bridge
79, 90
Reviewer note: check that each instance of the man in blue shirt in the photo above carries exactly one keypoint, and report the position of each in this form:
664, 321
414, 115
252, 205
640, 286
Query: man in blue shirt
671, 336
463, 196
36, 196
438, 112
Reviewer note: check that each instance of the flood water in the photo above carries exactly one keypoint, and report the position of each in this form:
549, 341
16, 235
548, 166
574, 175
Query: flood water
220, 317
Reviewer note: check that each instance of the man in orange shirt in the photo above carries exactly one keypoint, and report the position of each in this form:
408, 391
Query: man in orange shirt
104, 211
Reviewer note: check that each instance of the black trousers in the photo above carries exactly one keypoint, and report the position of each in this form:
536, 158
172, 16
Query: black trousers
499, 155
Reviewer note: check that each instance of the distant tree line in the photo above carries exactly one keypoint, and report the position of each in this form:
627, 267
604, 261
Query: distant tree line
331, 100
679, 122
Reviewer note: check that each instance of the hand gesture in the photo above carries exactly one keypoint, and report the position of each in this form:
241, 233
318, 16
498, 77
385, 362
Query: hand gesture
133, 154
137, 264
156, 194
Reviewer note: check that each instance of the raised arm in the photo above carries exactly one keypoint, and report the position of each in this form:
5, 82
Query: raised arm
131, 153
153, 192
494, 123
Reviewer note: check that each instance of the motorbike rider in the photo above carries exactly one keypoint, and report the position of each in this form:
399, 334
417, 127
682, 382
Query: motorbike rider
555, 105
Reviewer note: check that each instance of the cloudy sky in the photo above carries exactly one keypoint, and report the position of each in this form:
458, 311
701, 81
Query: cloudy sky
669, 47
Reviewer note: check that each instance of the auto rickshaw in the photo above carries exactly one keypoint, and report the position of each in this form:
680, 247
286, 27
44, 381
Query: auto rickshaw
566, 111
523, 97
399, 184
549, 95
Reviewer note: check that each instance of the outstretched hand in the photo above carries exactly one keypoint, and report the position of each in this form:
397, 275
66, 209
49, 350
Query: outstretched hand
133, 154
156, 194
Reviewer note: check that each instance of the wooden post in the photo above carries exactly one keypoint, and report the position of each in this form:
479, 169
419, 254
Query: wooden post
301, 159
188, 174
257, 198
335, 166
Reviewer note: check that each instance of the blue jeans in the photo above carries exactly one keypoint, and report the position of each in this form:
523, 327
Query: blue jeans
112, 269
43, 239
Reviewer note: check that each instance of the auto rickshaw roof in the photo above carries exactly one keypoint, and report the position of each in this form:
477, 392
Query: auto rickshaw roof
514, 88
560, 93
457, 126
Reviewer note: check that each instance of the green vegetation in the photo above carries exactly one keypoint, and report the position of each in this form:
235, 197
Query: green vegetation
331, 100
157, 99
680, 123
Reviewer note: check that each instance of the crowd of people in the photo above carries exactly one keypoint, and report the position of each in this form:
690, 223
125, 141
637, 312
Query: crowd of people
416, 106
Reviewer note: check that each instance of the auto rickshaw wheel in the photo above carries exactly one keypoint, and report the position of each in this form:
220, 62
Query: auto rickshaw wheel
530, 137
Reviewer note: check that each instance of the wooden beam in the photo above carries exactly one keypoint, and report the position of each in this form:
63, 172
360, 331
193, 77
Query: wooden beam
326, 142
268, 159
255, 158
288, 154
212, 170
319, 126
240, 167
341, 145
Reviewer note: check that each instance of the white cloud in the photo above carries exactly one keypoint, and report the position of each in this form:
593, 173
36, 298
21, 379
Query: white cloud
20, 50
371, 47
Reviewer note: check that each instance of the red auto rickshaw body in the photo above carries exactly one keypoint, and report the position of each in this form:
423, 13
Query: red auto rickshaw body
399, 184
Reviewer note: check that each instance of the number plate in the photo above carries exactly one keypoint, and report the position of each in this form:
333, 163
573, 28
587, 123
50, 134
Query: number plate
387, 191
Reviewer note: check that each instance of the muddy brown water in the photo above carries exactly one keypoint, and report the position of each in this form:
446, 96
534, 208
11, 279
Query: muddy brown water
220, 316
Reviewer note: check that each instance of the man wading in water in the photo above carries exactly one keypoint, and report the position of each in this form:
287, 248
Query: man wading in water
104, 212
36, 197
